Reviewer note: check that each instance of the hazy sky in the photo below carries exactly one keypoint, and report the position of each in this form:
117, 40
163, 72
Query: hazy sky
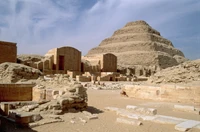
39, 25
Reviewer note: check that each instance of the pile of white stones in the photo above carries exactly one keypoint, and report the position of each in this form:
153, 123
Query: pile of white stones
134, 115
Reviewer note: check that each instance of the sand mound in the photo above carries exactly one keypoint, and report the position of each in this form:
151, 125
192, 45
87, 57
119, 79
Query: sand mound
137, 43
12, 72
186, 72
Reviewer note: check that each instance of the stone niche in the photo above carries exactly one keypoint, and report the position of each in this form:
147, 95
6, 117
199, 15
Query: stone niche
65, 59
15, 92
8, 52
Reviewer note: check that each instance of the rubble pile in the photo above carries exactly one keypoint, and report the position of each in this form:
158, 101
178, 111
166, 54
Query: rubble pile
183, 73
12, 72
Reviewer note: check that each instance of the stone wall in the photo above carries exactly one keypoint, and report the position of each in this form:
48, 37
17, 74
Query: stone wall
170, 93
8, 52
15, 92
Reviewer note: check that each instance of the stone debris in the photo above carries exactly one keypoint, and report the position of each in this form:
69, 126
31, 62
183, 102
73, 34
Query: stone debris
72, 121
111, 108
129, 121
82, 120
185, 126
183, 73
148, 111
13, 72
105, 86
135, 117
44, 121
89, 115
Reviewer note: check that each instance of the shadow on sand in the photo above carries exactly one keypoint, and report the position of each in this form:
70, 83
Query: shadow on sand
94, 110
8, 126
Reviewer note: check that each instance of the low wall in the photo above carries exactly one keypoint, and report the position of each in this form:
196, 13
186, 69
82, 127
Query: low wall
15, 92
170, 93
83, 78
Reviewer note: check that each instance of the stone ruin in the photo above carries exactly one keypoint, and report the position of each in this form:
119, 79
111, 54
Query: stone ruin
138, 44
39, 98
186, 72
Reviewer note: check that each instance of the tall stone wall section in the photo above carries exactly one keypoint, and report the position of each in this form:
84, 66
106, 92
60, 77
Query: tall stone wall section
8, 52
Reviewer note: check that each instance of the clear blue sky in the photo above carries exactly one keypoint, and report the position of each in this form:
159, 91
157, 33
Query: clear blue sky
40, 25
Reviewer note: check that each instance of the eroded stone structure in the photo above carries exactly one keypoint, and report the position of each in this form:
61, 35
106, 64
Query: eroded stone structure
8, 52
100, 63
138, 44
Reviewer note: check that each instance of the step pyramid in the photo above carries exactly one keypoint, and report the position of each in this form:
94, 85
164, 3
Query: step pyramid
138, 44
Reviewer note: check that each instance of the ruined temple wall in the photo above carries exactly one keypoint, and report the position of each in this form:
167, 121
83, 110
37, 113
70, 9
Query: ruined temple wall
170, 93
15, 92
8, 52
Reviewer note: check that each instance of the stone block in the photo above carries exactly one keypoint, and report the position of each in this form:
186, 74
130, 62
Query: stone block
184, 107
168, 120
148, 111
185, 126
129, 121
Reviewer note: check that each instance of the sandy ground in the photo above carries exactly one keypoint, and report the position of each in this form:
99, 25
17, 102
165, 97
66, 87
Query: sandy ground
99, 99
106, 122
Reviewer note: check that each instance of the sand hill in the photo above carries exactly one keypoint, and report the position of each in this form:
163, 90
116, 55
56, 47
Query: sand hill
137, 43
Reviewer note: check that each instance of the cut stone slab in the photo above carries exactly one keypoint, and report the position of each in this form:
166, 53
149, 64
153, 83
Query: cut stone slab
168, 120
184, 107
184, 126
148, 111
128, 121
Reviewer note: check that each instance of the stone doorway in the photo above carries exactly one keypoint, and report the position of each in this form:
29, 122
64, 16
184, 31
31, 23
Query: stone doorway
61, 62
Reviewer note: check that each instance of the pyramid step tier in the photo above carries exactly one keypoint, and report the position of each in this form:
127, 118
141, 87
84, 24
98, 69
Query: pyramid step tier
136, 46
136, 29
136, 37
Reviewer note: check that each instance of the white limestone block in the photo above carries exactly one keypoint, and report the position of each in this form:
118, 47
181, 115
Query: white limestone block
184, 126
168, 119
128, 121
148, 111
111, 108
184, 107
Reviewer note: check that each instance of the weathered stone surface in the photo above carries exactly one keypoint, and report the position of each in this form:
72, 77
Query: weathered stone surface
168, 120
142, 44
184, 107
189, 94
12, 72
148, 111
185, 126
129, 121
